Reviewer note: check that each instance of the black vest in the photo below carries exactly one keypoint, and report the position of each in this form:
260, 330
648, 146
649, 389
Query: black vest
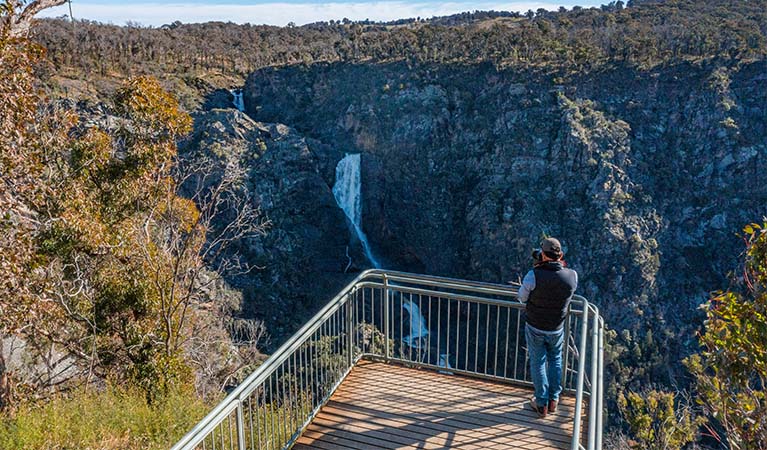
548, 302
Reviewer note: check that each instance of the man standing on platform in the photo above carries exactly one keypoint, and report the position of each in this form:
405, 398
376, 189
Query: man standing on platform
547, 290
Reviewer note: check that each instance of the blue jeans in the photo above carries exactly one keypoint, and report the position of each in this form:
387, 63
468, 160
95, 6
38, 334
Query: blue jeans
545, 352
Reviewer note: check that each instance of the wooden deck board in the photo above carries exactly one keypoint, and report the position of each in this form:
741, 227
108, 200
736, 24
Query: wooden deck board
378, 407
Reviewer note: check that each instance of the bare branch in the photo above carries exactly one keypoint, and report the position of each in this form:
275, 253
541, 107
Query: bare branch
19, 23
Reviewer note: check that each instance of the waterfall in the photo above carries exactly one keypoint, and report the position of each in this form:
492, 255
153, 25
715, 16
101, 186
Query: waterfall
347, 192
418, 329
238, 102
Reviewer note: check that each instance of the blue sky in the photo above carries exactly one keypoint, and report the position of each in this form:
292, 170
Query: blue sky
280, 12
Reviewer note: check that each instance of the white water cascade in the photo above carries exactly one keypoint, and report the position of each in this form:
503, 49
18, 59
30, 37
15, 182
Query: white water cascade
418, 329
348, 194
238, 102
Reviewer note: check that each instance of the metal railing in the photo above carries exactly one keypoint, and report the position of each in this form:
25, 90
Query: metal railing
454, 326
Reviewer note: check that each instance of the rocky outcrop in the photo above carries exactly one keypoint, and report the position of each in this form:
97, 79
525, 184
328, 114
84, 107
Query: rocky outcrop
302, 257
646, 175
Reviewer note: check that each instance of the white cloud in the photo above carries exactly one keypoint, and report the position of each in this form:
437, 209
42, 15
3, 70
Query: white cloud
156, 14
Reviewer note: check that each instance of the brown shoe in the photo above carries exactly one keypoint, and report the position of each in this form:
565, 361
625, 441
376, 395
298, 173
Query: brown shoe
541, 410
553, 406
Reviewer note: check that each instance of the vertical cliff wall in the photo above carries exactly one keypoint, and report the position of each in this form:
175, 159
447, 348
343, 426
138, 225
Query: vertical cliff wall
645, 175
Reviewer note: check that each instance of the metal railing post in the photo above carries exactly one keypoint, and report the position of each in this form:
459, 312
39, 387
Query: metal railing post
600, 382
566, 356
594, 382
386, 315
579, 384
240, 426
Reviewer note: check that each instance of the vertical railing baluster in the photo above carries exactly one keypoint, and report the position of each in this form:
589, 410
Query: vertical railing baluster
506, 352
468, 330
293, 399
250, 419
356, 323
476, 337
280, 409
439, 330
447, 338
259, 432
410, 324
516, 346
349, 328
285, 416
385, 320
497, 333
330, 368
364, 321
401, 329
231, 433
309, 375
321, 363
487, 334
338, 345
386, 315
428, 336
457, 333
315, 367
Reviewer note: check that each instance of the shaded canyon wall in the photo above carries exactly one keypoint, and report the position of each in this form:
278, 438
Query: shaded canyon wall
645, 175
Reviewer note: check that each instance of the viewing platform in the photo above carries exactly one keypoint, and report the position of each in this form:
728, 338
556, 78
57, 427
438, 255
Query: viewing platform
376, 408
405, 361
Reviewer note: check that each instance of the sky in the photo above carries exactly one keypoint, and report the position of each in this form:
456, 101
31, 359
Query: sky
271, 12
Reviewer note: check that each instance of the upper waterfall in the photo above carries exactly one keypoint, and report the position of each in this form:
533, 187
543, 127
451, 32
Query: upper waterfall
238, 101
348, 193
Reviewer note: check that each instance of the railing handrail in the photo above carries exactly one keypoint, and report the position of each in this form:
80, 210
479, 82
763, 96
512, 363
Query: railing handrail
452, 289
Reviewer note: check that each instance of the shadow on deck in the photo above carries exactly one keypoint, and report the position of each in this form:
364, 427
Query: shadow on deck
386, 406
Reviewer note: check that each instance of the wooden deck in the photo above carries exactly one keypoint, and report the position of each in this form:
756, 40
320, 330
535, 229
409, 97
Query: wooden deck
379, 407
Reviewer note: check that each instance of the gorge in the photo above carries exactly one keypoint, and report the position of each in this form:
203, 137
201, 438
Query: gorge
465, 168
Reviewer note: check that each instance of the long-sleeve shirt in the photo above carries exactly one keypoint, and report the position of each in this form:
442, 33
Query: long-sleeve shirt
528, 284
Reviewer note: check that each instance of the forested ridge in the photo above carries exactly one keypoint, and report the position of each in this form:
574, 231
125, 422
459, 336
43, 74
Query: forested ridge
643, 33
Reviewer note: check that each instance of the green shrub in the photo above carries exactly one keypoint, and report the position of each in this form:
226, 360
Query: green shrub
658, 421
731, 370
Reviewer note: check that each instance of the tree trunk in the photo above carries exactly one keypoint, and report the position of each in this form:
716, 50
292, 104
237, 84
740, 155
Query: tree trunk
5, 384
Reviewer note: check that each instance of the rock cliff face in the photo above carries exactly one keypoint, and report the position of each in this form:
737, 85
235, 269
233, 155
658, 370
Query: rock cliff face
645, 175
302, 259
